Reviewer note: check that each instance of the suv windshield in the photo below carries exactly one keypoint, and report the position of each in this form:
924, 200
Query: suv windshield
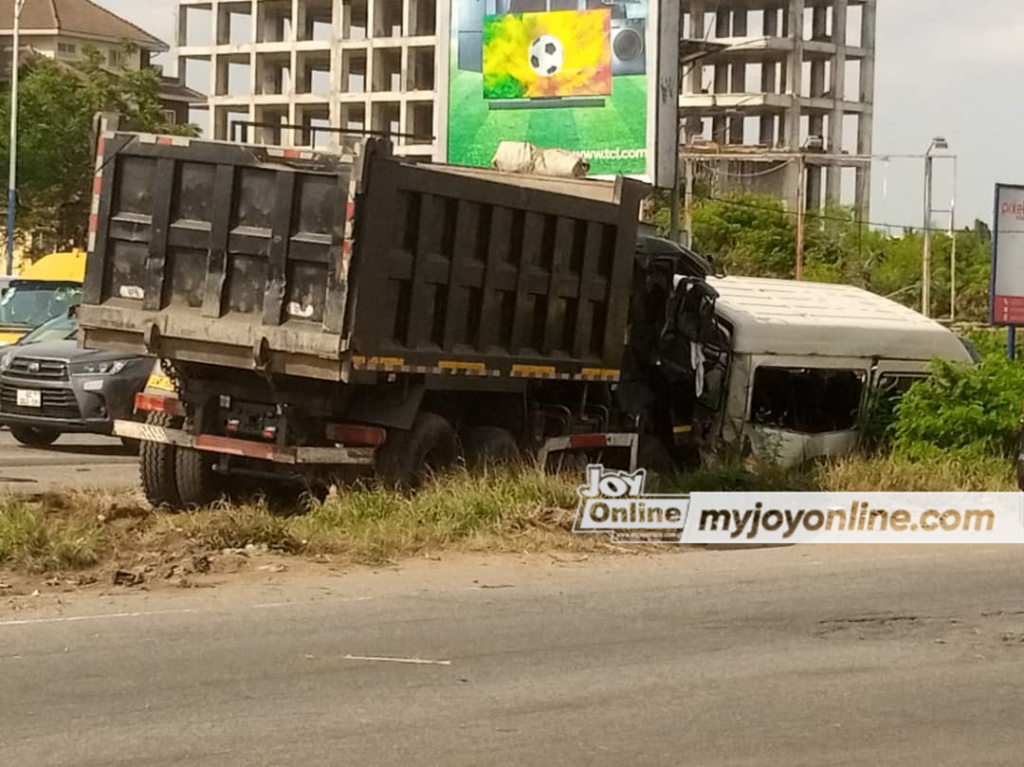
61, 328
27, 304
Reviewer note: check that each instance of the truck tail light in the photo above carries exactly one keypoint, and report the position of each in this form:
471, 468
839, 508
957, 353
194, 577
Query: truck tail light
586, 441
147, 403
353, 435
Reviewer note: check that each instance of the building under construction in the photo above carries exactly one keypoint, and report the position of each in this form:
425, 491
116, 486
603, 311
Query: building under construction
791, 76
797, 77
289, 71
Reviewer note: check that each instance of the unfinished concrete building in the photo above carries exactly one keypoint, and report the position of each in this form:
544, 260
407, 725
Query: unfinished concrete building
797, 76
291, 68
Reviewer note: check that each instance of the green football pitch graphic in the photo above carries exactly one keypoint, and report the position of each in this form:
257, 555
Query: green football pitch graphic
474, 130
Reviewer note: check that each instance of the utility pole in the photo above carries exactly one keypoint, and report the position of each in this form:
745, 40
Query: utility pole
12, 182
673, 229
688, 201
801, 215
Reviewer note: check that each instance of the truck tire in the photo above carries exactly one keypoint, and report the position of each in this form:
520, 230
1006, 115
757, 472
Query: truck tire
156, 466
197, 481
34, 436
409, 457
489, 446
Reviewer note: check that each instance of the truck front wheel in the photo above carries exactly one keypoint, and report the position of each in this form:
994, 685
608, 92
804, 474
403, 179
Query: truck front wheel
408, 457
156, 465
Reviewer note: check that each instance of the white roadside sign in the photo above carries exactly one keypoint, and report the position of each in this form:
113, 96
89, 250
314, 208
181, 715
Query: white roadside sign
1008, 256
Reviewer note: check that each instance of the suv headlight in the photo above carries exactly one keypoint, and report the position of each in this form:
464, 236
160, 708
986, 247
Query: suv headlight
5, 360
105, 368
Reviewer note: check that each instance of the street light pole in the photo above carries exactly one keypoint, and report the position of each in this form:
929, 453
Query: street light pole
926, 266
12, 183
952, 246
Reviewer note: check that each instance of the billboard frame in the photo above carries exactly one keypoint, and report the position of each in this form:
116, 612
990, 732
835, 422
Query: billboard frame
662, 43
995, 255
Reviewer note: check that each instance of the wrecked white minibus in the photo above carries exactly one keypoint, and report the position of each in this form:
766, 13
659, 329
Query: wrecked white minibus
804, 364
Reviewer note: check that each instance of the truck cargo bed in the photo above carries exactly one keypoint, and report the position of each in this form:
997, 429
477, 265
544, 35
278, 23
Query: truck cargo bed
322, 265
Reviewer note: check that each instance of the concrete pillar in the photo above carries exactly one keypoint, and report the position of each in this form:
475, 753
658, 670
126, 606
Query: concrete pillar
719, 125
769, 77
816, 120
865, 132
337, 27
834, 184
694, 125
794, 73
794, 26
181, 39
739, 76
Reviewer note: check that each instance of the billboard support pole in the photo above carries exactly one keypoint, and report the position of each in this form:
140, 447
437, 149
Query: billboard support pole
1011, 342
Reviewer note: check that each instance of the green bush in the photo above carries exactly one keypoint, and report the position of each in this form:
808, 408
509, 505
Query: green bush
972, 409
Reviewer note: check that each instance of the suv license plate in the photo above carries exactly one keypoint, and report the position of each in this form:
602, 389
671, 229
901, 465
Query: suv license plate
29, 398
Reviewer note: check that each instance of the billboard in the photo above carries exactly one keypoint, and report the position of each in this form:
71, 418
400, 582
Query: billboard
581, 75
1008, 256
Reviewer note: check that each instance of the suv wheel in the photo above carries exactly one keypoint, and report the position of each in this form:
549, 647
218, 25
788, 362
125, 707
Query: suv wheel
34, 436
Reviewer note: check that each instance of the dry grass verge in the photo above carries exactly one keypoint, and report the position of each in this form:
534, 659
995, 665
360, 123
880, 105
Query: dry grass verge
495, 511
950, 473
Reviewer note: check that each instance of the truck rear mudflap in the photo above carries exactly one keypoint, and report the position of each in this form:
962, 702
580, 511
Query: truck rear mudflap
243, 448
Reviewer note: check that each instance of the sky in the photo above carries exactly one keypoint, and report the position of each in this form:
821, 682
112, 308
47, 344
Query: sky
944, 68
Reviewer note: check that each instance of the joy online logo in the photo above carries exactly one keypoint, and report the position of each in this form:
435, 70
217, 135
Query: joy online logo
614, 502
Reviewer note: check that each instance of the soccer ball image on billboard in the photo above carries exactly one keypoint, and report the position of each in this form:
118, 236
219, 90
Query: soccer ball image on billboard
546, 55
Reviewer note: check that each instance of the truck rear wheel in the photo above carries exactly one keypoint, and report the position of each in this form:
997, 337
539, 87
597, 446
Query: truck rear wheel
197, 481
408, 457
489, 446
156, 465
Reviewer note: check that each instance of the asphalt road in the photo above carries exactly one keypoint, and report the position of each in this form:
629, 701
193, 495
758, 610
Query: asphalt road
74, 460
810, 656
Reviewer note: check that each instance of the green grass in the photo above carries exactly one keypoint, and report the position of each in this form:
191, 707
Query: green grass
475, 130
34, 540
494, 511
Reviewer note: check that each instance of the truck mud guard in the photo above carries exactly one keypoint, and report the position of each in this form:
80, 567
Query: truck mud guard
577, 442
207, 443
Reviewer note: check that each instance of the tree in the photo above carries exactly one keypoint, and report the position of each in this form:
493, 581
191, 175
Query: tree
753, 235
57, 107
747, 234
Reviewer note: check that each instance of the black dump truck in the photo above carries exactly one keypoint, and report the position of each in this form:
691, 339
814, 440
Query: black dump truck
329, 316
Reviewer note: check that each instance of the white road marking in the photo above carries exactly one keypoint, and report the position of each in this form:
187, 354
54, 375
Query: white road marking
103, 616
153, 613
414, 661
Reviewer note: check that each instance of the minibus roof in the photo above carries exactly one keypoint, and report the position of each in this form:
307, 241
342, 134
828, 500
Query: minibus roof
783, 317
